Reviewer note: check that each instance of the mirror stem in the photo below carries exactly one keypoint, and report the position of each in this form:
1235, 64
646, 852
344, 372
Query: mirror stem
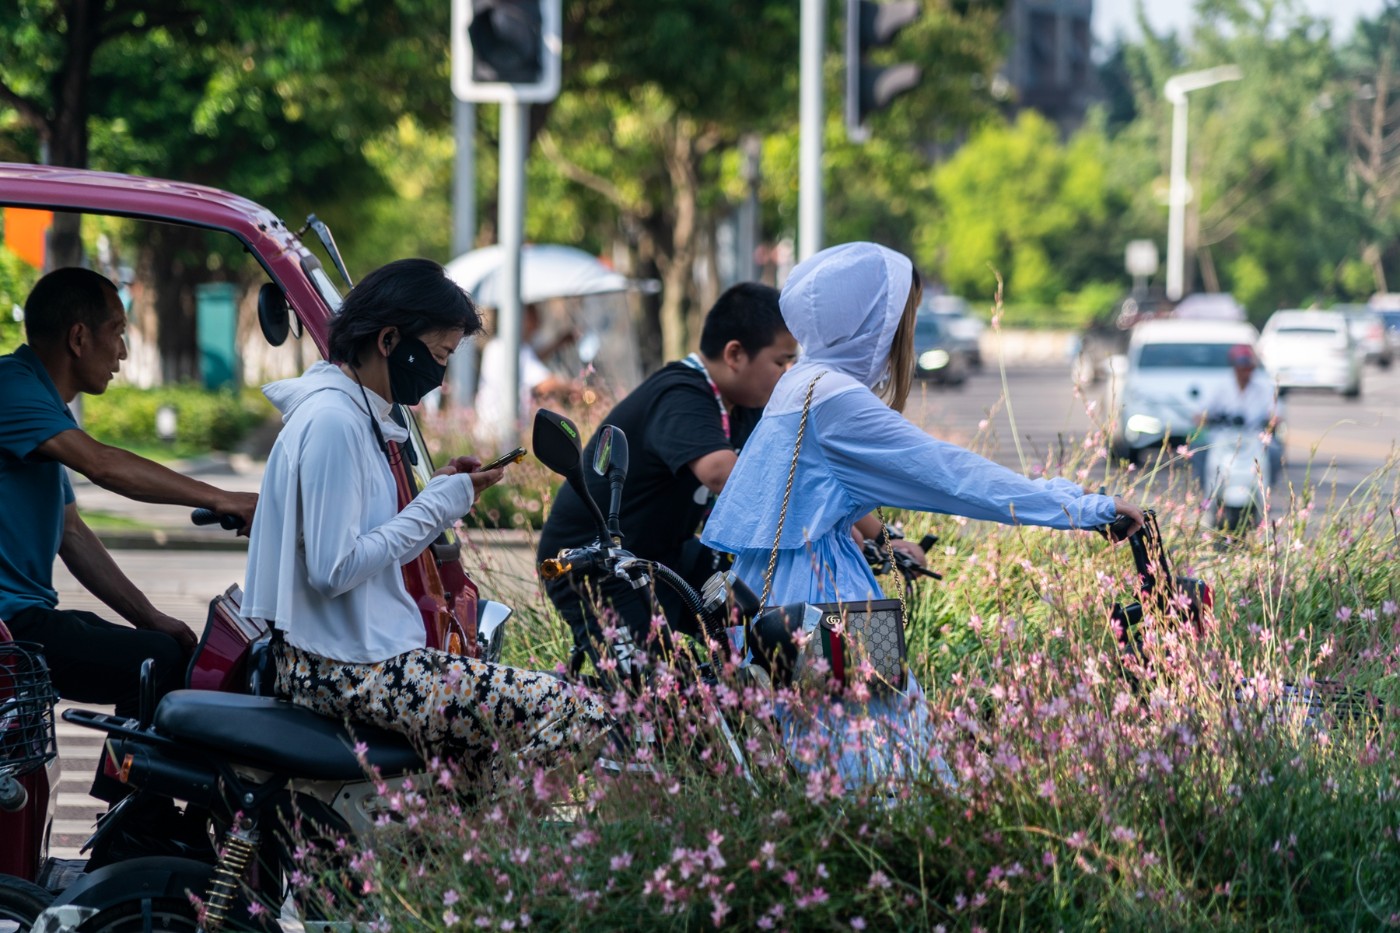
579, 486
614, 507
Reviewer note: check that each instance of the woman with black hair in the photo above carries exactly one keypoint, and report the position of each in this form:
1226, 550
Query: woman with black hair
329, 540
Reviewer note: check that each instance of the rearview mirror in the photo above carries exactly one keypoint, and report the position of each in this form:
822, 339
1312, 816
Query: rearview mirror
602, 454
273, 315
556, 442
610, 457
557, 447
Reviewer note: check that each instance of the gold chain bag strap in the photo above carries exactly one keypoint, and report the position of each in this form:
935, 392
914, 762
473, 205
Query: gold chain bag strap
848, 632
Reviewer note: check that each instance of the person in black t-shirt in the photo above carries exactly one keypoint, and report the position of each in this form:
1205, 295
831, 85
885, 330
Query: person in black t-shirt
684, 426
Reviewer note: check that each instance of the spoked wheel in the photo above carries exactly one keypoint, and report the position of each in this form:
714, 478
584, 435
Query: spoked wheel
20, 903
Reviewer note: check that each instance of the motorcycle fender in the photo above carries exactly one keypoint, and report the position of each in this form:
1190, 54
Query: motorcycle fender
132, 880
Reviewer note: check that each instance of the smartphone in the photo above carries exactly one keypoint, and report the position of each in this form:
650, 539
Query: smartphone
515, 456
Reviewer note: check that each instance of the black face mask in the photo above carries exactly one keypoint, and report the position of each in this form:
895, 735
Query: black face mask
413, 372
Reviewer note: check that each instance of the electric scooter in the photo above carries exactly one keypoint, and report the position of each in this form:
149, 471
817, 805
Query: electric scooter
1238, 472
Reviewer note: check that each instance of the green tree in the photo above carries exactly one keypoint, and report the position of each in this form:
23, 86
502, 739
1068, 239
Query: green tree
1371, 69
1270, 219
642, 147
1016, 200
277, 103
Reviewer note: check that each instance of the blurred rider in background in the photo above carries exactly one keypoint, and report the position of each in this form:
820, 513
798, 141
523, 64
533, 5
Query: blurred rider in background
1251, 398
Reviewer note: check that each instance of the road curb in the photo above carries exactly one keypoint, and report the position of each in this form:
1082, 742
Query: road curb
157, 539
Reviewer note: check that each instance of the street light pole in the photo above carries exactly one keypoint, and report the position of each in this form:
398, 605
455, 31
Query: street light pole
1177, 87
812, 119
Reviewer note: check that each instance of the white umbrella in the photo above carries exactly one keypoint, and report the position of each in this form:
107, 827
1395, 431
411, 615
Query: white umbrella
546, 271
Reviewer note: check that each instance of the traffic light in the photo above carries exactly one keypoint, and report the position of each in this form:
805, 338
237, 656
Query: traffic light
869, 88
505, 51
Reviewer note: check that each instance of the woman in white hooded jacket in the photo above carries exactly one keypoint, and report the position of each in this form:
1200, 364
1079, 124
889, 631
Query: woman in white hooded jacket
328, 542
852, 309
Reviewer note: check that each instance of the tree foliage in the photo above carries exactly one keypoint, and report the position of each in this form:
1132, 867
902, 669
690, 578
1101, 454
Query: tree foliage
1017, 201
344, 108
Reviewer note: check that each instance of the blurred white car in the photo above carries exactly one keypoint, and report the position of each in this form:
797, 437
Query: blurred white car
1173, 367
1311, 350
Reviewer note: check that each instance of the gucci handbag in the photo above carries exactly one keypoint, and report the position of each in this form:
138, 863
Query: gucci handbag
843, 634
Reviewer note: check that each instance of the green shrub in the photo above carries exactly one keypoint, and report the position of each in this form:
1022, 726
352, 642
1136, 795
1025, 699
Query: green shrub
16, 279
206, 420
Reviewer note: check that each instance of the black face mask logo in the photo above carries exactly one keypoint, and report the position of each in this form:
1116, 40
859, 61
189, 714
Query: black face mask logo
413, 372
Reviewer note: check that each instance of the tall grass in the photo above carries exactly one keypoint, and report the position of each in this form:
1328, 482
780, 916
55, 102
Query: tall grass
1197, 791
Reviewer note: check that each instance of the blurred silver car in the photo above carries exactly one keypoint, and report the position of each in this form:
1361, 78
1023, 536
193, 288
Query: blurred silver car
1311, 350
1375, 340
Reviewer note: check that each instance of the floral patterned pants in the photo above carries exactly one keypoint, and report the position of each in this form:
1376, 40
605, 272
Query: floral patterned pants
467, 709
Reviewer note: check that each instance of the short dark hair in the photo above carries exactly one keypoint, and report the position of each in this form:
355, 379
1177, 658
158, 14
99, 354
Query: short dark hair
63, 298
747, 312
414, 295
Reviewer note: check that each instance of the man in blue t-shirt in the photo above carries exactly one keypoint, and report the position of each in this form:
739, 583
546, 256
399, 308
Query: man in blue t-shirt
75, 326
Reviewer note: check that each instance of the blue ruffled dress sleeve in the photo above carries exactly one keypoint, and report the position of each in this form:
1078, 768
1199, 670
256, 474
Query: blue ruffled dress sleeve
881, 458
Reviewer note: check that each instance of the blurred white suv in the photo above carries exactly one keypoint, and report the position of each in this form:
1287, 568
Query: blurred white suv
1173, 367
1311, 350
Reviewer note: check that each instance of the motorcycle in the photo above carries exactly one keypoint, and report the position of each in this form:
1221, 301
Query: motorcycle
1238, 471
238, 760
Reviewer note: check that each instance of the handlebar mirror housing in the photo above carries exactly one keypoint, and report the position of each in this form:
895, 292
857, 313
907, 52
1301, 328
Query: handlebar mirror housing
557, 446
556, 442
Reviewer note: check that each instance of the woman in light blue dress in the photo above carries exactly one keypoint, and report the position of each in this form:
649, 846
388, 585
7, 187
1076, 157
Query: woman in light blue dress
852, 309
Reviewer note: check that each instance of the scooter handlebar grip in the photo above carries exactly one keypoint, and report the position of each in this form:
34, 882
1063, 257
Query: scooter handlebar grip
210, 517
552, 568
1118, 530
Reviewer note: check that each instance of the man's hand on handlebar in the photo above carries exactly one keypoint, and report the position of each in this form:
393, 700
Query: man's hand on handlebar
241, 505
911, 550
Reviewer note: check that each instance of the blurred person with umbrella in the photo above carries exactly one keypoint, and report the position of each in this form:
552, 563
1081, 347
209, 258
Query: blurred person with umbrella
495, 417
547, 272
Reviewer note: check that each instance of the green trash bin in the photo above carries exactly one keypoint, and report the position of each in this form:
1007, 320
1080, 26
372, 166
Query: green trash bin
216, 325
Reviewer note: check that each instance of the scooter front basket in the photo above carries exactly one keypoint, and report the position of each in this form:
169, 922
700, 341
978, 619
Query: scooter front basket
27, 698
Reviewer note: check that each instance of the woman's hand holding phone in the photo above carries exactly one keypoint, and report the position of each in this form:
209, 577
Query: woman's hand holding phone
481, 478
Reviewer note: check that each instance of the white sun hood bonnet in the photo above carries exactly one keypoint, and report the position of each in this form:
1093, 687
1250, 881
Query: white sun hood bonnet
844, 305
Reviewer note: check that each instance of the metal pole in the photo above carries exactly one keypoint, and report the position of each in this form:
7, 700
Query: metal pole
809, 176
1175, 90
1176, 204
464, 178
747, 233
461, 369
511, 221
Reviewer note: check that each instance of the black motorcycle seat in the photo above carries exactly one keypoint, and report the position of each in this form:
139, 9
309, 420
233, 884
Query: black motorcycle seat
279, 736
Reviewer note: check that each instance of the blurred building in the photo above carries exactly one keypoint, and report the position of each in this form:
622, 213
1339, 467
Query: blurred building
1049, 64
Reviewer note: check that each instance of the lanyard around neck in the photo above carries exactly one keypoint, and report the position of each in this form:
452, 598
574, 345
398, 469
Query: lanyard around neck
695, 363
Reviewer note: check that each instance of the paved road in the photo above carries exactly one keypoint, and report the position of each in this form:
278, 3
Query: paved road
1352, 439
1342, 441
